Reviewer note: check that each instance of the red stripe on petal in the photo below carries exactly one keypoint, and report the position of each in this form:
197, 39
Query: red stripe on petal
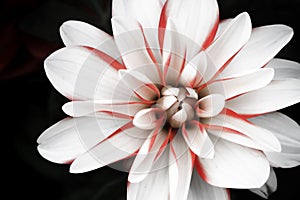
211, 81
228, 193
172, 150
193, 158
150, 53
212, 34
115, 114
141, 102
153, 138
69, 162
162, 26
148, 48
166, 68
231, 113
140, 97
221, 128
154, 88
201, 126
253, 115
108, 59
200, 170
121, 129
234, 97
181, 67
163, 147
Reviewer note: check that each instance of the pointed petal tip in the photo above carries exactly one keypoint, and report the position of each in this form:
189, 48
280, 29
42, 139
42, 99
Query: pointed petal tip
79, 168
74, 110
277, 146
67, 108
136, 178
209, 155
46, 154
74, 170
247, 19
289, 30
40, 139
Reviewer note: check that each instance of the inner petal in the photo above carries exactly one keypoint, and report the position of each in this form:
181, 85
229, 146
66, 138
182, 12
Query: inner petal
178, 104
210, 105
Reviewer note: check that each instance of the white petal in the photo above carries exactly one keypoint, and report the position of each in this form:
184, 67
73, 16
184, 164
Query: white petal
277, 95
148, 154
264, 44
79, 73
191, 93
149, 118
210, 105
222, 27
284, 69
268, 188
80, 33
139, 84
170, 91
233, 136
178, 118
155, 185
241, 84
200, 190
195, 19
234, 166
262, 137
166, 102
74, 33
198, 140
174, 53
180, 168
82, 108
288, 133
194, 70
69, 138
147, 13
130, 40
229, 43
123, 143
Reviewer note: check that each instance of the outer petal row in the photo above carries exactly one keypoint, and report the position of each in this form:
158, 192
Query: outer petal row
288, 133
82, 73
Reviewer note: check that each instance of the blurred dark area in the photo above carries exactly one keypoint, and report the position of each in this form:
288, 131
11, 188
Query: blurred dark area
29, 33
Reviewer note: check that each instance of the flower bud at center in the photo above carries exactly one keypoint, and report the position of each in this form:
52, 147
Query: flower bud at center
178, 104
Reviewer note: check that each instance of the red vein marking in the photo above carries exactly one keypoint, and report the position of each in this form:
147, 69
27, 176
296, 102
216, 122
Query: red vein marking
150, 53
105, 57
181, 68
233, 114
162, 147
116, 114
212, 34
162, 26
200, 170
221, 128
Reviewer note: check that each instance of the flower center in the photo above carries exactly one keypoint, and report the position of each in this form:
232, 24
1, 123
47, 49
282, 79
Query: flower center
178, 103
174, 107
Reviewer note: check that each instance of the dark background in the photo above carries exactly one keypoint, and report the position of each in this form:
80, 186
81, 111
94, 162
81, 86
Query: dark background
29, 104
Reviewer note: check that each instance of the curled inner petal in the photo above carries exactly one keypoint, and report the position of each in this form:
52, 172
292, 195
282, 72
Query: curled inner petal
149, 118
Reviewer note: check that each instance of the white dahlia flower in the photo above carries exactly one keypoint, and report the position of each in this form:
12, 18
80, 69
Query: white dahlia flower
188, 101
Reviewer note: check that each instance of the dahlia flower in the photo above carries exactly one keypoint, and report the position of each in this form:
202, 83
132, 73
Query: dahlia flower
185, 102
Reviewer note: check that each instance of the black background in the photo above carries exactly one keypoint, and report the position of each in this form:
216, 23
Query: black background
29, 104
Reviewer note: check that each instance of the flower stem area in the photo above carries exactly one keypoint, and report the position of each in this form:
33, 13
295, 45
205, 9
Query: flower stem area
30, 104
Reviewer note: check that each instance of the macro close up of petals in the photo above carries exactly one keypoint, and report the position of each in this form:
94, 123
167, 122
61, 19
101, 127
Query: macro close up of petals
185, 102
